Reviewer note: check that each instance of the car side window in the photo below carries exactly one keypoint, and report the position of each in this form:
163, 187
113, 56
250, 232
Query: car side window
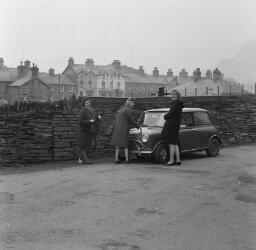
202, 118
187, 119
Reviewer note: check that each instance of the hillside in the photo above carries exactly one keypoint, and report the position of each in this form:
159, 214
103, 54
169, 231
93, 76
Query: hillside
242, 67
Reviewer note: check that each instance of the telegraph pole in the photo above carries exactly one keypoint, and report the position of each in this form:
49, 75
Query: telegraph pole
59, 86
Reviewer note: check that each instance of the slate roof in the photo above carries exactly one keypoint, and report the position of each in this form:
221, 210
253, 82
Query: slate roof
150, 79
54, 80
8, 75
131, 75
100, 69
212, 85
21, 81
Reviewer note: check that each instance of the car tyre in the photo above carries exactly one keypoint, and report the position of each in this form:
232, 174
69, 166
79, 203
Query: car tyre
140, 156
213, 147
161, 153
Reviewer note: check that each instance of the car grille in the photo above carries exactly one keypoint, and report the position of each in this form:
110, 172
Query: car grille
134, 145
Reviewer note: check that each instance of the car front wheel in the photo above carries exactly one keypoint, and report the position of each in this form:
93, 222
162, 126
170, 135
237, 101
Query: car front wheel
161, 153
213, 147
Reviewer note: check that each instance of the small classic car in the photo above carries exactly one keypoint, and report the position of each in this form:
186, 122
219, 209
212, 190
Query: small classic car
197, 133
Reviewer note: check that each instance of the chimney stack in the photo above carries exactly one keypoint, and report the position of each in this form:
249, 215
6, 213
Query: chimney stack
116, 64
141, 70
21, 70
34, 70
89, 62
1, 63
155, 71
170, 73
217, 75
71, 61
183, 73
197, 74
208, 74
27, 65
51, 72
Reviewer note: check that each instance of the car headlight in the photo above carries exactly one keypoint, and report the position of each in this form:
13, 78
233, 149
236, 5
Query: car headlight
145, 137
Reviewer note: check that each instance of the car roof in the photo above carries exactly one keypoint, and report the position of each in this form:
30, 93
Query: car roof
183, 110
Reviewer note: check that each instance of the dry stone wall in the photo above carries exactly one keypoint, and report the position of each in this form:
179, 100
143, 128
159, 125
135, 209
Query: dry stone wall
46, 133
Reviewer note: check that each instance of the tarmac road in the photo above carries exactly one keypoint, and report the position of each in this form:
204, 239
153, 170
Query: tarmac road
207, 204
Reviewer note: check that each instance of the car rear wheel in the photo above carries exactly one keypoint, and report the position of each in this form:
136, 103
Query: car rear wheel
213, 147
161, 153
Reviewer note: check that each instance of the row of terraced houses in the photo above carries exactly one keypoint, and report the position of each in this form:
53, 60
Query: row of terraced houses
27, 83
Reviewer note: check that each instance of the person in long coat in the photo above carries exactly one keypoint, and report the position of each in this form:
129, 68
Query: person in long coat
170, 132
124, 120
87, 136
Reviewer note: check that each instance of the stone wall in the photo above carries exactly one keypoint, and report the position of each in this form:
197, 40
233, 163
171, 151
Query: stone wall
46, 133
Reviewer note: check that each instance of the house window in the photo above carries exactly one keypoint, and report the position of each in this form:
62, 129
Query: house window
118, 76
69, 88
81, 93
111, 84
24, 90
81, 84
103, 85
90, 84
118, 85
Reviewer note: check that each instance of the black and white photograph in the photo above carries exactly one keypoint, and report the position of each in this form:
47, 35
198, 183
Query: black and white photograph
128, 125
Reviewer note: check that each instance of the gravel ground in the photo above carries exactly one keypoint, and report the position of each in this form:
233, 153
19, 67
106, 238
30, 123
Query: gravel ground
206, 204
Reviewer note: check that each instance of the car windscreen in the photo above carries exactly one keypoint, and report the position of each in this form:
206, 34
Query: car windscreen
152, 119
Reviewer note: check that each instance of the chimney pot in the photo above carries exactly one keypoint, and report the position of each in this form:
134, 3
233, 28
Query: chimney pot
155, 71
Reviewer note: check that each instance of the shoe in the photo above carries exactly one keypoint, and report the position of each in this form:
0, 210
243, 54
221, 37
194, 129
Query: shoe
127, 162
169, 164
117, 162
178, 163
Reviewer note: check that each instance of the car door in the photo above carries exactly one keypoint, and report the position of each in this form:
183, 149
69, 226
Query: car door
204, 128
188, 135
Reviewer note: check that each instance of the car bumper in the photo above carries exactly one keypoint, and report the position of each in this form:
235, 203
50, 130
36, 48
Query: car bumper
137, 147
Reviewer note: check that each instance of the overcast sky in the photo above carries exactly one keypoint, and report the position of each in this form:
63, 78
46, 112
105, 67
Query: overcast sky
164, 33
